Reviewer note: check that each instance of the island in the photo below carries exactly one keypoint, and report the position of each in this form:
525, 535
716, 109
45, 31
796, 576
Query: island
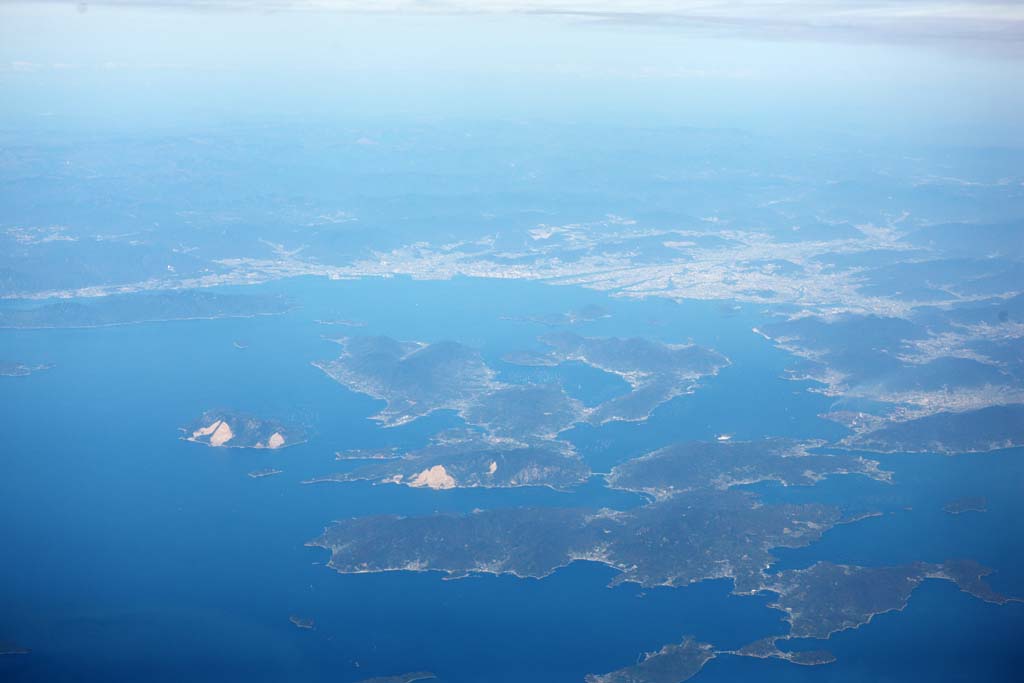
268, 472
684, 539
529, 411
410, 677
724, 463
302, 622
968, 504
697, 527
470, 461
7, 648
586, 314
368, 454
818, 601
413, 379
682, 661
656, 372
767, 648
229, 429
670, 664
827, 598
11, 369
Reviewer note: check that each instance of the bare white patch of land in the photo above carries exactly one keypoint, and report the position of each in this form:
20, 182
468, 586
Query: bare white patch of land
435, 477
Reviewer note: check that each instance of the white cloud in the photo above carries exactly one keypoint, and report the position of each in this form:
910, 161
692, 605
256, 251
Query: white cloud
873, 19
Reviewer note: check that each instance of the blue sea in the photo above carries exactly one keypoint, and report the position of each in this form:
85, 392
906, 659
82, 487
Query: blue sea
129, 554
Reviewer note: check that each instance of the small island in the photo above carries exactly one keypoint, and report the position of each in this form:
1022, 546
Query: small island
268, 472
671, 664
471, 461
767, 648
410, 677
10, 369
341, 322
229, 429
302, 622
968, 504
368, 454
586, 314
12, 649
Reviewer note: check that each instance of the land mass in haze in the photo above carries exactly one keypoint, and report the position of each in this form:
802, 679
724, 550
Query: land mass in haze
970, 431
943, 379
127, 309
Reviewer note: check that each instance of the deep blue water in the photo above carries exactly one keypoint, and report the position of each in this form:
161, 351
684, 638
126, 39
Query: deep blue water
132, 555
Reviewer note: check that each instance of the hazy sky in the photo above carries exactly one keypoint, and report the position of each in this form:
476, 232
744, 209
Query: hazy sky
921, 67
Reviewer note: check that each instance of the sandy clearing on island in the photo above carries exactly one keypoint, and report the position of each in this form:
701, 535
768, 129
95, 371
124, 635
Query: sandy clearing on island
275, 440
221, 435
435, 477
206, 431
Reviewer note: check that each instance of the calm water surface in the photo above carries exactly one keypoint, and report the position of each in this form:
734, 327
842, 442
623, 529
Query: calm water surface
130, 554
